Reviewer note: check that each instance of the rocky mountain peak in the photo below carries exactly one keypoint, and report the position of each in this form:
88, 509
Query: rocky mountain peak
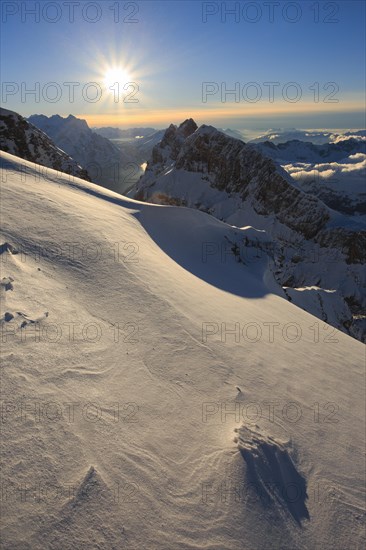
187, 127
239, 184
21, 138
172, 141
229, 165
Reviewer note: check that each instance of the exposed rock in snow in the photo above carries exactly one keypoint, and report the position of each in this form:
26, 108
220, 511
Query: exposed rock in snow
208, 170
105, 162
21, 138
231, 166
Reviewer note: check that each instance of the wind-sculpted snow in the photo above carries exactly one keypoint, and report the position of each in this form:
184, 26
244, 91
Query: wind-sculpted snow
91, 498
272, 473
119, 407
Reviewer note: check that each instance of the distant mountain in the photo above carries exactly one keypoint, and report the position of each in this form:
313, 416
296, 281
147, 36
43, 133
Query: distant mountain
118, 133
106, 163
302, 151
139, 142
142, 133
318, 137
232, 133
281, 135
205, 169
360, 133
20, 138
334, 172
145, 145
136, 143
210, 160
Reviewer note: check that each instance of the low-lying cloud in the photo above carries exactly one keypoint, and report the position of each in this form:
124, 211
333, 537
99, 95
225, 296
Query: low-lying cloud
347, 176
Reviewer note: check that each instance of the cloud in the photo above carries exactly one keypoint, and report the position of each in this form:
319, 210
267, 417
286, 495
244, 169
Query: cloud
335, 138
347, 176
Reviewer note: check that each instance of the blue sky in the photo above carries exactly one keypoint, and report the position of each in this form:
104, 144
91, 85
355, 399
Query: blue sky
169, 49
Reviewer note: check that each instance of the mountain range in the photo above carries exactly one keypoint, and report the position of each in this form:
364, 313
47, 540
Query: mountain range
118, 133
335, 172
205, 169
281, 135
107, 164
301, 224
22, 139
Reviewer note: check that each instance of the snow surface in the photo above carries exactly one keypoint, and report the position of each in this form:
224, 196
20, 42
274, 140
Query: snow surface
176, 469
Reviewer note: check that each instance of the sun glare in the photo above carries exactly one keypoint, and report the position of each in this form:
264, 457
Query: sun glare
116, 74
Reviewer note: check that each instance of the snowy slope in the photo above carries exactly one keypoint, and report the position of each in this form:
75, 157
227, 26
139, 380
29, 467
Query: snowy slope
170, 471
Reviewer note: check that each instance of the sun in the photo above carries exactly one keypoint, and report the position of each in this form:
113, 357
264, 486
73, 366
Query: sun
116, 74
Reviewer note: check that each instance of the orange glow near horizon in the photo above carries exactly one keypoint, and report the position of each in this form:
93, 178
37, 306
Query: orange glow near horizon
161, 117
